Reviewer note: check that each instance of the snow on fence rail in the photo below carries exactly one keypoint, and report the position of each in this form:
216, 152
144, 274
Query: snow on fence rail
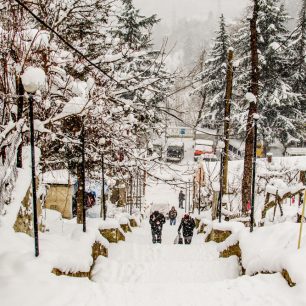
8, 173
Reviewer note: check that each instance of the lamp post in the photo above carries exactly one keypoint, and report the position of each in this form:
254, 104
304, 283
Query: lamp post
83, 177
221, 146
255, 119
103, 206
32, 80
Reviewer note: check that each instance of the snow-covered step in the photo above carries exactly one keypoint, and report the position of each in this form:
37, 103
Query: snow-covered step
165, 272
260, 290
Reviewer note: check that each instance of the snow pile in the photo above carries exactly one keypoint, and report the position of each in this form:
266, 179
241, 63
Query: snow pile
33, 79
28, 280
274, 248
74, 254
100, 224
234, 227
123, 220
250, 97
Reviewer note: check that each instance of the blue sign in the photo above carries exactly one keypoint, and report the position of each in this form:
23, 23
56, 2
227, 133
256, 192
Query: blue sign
182, 131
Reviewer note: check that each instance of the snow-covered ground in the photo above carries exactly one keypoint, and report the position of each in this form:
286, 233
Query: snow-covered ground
138, 272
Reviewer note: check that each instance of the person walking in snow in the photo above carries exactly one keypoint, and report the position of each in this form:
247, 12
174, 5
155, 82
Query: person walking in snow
157, 220
172, 215
181, 199
188, 225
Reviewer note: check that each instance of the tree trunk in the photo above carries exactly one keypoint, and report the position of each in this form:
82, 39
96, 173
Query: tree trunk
227, 113
247, 171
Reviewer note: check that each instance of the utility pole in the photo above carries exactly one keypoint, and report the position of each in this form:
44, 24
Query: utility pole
247, 171
227, 113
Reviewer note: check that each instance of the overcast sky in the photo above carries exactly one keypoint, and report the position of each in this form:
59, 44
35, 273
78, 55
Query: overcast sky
190, 25
177, 9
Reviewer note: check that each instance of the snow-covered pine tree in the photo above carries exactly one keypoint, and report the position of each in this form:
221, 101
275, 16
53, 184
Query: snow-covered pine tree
213, 76
141, 69
277, 100
296, 61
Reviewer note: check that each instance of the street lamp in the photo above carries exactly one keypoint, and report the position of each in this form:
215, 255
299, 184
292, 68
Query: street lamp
221, 146
32, 80
103, 210
255, 118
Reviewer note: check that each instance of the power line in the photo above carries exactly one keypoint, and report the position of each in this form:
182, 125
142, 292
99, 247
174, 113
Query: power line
68, 44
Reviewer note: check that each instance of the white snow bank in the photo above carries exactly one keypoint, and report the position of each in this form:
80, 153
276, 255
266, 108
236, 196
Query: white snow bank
28, 279
234, 227
274, 248
100, 224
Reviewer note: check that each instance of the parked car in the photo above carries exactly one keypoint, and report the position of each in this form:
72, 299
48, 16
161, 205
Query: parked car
175, 152
210, 157
203, 147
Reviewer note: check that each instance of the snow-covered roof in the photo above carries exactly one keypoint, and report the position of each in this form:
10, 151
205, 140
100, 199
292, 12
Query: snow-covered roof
296, 151
204, 142
203, 148
61, 177
177, 143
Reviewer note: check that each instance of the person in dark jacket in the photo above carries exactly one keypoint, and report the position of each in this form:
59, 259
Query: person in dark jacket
172, 215
157, 220
181, 199
188, 226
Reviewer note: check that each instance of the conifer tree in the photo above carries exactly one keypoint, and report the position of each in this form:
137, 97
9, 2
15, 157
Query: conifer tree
296, 61
213, 75
277, 99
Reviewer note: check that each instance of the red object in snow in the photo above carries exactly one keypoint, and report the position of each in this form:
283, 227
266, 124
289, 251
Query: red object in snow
292, 200
249, 205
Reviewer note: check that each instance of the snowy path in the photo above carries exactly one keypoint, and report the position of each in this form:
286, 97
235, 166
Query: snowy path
140, 273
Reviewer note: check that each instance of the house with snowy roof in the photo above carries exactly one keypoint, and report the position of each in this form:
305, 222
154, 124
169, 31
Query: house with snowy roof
61, 188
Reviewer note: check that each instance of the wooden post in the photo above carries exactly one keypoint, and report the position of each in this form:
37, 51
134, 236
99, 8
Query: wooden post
227, 112
247, 171
302, 221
